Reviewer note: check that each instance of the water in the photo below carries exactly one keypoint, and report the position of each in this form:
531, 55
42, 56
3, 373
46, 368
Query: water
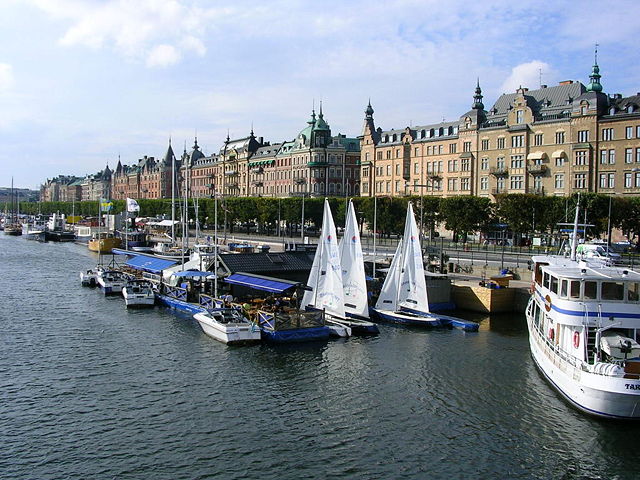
91, 390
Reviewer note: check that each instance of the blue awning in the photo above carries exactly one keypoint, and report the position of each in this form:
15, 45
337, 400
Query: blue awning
260, 283
149, 264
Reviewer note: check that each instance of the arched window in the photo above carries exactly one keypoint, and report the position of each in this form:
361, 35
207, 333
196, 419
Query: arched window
395, 137
423, 134
440, 131
450, 131
431, 133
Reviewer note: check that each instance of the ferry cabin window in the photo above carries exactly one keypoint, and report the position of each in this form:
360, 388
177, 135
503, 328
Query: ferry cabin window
612, 291
554, 285
575, 289
590, 290
546, 280
564, 287
633, 292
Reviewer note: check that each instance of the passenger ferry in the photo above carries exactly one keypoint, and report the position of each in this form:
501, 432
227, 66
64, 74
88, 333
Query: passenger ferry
584, 326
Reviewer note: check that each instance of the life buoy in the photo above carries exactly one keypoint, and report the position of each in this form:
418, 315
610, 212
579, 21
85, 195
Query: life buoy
551, 333
576, 339
547, 303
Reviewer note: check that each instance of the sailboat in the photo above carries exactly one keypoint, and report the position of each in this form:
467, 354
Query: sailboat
325, 279
13, 227
354, 281
404, 298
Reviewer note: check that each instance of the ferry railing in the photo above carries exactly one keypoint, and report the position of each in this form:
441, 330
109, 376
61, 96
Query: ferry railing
176, 293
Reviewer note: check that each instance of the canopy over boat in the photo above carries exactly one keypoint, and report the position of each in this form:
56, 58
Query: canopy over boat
265, 284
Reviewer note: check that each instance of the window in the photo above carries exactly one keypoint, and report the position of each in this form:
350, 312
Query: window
637, 180
516, 182
580, 180
564, 287
484, 164
415, 152
397, 153
397, 169
628, 132
607, 134
590, 290
637, 155
632, 292
538, 139
612, 157
611, 183
628, 155
416, 167
581, 157
388, 154
559, 161
559, 137
464, 183
517, 141
500, 184
452, 184
388, 187
466, 147
628, 180
484, 183
559, 181
378, 155
452, 166
574, 292
388, 170
500, 163
519, 116
583, 136
500, 143
603, 180
638, 131
453, 147
485, 144
398, 187
465, 165
517, 161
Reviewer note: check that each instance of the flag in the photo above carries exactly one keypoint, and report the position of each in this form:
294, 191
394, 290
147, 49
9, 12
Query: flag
105, 205
132, 205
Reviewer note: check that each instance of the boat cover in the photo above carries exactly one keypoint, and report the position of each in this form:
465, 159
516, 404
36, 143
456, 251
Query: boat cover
194, 274
149, 264
260, 283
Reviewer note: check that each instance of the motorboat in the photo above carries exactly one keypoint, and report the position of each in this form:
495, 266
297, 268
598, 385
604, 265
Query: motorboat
111, 282
584, 324
104, 242
89, 278
138, 293
228, 325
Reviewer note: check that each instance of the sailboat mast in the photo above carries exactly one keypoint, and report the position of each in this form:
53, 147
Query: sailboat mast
574, 235
173, 199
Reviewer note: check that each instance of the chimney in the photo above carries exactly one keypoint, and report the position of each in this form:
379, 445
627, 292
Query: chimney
260, 140
543, 86
566, 82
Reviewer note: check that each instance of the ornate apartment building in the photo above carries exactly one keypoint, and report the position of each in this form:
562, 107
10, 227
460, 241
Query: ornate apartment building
149, 178
315, 163
550, 141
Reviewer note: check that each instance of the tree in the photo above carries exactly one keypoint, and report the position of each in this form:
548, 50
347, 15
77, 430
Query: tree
466, 214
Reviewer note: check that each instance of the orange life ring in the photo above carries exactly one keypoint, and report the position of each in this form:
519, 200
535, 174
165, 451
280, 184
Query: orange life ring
551, 333
547, 303
576, 339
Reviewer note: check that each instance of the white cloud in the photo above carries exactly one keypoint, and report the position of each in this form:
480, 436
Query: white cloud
525, 75
156, 32
6, 77
163, 56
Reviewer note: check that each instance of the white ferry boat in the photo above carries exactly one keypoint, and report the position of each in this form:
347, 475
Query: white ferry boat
584, 327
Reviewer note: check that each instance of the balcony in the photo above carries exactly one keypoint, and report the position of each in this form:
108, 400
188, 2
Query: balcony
299, 180
258, 184
434, 175
257, 170
232, 185
498, 191
231, 172
499, 171
537, 169
317, 164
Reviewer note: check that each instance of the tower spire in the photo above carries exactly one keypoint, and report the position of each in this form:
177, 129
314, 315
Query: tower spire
594, 78
477, 98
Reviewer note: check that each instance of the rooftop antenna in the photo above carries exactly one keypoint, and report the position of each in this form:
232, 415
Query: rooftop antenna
540, 76
596, 53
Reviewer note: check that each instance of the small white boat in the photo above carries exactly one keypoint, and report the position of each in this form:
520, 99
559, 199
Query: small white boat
89, 278
111, 282
138, 293
229, 326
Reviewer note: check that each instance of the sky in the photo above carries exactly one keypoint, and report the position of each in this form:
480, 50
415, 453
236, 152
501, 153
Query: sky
84, 83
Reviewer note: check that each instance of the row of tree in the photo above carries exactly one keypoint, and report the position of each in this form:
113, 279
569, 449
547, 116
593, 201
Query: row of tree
519, 213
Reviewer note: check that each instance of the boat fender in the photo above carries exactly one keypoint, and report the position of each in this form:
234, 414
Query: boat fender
576, 339
547, 303
551, 333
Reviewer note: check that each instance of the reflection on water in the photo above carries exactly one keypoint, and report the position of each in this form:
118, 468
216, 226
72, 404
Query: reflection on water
93, 390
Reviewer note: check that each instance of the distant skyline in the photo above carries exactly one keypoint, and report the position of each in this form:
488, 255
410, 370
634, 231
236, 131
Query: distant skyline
85, 82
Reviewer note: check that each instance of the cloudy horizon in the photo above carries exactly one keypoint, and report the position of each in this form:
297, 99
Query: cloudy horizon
85, 82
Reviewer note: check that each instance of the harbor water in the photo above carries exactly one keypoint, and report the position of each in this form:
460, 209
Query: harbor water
91, 390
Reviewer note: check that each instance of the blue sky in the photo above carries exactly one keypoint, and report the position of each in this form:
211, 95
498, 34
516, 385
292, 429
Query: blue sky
83, 82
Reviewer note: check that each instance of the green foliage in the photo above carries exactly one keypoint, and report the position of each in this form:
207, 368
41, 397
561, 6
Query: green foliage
465, 214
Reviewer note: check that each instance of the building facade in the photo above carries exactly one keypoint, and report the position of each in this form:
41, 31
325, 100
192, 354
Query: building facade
550, 141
